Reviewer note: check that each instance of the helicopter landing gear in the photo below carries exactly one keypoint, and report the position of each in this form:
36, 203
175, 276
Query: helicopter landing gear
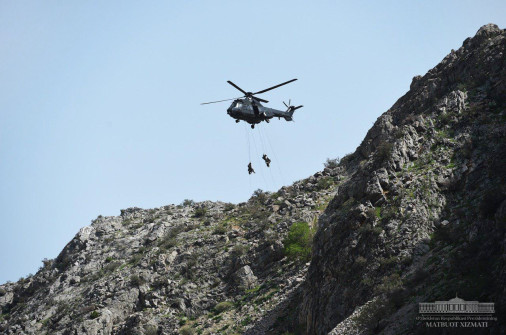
252, 126
267, 120
236, 121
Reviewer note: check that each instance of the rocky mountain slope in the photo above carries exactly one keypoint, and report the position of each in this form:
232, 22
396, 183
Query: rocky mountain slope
421, 213
196, 267
416, 214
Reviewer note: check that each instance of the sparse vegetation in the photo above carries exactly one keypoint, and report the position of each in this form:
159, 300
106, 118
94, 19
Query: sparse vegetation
389, 283
332, 163
187, 330
136, 258
94, 315
200, 212
324, 183
127, 222
151, 330
223, 306
220, 230
383, 151
187, 202
169, 239
136, 280
299, 241
110, 267
260, 196
229, 207
239, 249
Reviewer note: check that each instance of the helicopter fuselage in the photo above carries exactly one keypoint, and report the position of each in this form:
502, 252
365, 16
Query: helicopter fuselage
253, 112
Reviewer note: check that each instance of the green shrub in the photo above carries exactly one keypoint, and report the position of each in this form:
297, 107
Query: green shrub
259, 196
110, 267
186, 330
169, 239
136, 258
168, 243
239, 250
136, 280
151, 330
383, 151
389, 213
220, 230
377, 212
389, 283
299, 241
229, 207
127, 222
223, 306
200, 212
188, 202
183, 320
94, 315
324, 183
332, 163
47, 263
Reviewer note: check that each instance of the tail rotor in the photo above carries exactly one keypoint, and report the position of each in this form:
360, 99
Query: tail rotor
290, 110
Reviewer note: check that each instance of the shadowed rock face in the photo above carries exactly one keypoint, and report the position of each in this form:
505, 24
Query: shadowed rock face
421, 214
417, 213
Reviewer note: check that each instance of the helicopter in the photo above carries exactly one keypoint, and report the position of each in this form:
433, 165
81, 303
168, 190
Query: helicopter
249, 108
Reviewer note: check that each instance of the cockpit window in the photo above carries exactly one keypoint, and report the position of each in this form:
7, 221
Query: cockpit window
238, 105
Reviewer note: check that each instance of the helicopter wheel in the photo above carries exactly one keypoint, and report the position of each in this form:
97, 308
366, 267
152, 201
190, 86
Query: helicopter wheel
252, 126
267, 120
236, 121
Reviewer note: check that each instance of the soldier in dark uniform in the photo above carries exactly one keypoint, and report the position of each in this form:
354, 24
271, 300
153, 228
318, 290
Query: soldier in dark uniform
250, 169
266, 159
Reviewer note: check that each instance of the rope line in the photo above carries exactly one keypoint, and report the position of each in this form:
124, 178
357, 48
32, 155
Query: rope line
275, 157
257, 155
265, 152
249, 153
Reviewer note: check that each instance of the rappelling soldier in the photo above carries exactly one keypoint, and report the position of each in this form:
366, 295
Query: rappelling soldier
250, 169
266, 159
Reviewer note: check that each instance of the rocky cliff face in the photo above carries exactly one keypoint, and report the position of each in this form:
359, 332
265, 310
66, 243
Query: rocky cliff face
416, 214
211, 268
420, 214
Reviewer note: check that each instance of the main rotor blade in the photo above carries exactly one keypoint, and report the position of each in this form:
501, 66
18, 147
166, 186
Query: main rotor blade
213, 102
240, 89
261, 100
273, 87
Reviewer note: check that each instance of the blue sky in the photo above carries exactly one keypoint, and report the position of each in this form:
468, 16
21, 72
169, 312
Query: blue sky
100, 101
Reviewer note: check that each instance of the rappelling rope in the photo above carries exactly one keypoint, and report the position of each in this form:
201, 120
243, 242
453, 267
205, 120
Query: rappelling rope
249, 154
265, 152
261, 167
275, 156
247, 140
